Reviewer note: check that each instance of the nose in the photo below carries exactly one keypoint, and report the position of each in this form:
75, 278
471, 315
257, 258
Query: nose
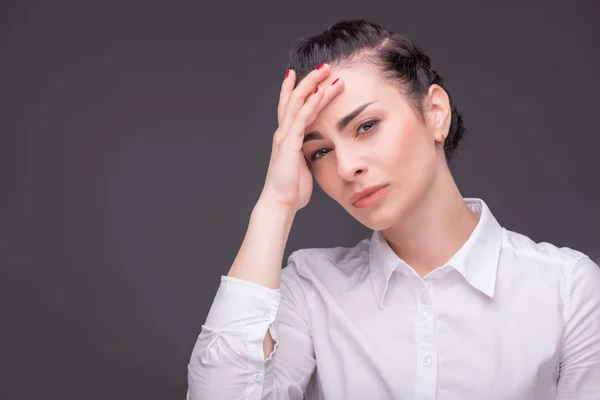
349, 164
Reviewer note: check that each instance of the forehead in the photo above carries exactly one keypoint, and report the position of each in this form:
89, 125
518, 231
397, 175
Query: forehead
356, 77
362, 84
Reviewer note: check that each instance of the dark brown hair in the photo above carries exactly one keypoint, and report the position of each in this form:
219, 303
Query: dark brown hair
397, 57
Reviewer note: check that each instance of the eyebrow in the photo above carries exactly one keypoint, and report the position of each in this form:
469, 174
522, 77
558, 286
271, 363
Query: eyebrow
341, 125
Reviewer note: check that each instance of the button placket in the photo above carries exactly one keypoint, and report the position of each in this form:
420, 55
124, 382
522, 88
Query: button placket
426, 376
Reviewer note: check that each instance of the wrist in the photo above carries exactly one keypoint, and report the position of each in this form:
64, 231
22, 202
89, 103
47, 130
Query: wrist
268, 206
271, 212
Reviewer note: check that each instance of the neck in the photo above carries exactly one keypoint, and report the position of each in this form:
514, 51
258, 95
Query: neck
435, 229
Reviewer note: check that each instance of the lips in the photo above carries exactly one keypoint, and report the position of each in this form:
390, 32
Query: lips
365, 192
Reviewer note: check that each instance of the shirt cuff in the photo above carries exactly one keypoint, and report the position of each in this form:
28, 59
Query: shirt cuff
243, 306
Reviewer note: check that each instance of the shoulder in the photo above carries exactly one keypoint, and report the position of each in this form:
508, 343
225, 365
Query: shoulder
327, 265
523, 257
525, 251
339, 256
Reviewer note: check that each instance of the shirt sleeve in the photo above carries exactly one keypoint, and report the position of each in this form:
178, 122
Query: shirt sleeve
228, 361
579, 373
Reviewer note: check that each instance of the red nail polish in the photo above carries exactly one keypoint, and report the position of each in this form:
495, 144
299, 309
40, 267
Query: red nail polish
337, 79
320, 66
287, 73
316, 89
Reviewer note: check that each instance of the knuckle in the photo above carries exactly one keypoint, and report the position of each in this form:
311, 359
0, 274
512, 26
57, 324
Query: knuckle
277, 142
303, 115
293, 96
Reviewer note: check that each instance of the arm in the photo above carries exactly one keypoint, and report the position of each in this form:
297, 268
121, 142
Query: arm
260, 257
235, 355
293, 362
579, 376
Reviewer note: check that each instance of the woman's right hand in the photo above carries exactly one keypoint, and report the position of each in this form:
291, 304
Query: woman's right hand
289, 180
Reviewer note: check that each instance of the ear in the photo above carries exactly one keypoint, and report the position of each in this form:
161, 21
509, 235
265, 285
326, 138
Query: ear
439, 111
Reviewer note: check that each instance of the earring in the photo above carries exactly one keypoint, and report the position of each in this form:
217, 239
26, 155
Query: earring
442, 141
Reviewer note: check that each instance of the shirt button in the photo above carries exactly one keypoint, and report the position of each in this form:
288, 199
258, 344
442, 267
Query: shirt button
427, 361
257, 377
267, 316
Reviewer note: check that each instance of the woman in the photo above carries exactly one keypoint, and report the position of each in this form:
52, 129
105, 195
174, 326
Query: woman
440, 303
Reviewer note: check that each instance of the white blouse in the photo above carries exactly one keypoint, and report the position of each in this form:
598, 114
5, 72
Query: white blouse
505, 318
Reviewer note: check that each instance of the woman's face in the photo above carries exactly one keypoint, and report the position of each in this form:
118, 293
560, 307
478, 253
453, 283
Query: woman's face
385, 144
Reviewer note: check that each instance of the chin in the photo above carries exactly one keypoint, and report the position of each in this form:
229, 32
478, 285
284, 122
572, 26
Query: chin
377, 219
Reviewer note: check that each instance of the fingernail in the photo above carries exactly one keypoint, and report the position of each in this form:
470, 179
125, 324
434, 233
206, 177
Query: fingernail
337, 79
316, 90
320, 66
287, 73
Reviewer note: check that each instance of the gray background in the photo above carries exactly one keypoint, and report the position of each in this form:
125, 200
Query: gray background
135, 139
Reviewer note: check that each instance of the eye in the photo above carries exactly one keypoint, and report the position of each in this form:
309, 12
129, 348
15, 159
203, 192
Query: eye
368, 125
318, 153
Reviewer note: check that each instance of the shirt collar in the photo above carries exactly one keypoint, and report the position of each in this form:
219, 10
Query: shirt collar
476, 260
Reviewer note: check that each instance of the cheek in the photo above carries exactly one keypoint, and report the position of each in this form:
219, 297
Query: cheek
410, 153
326, 180
402, 145
329, 181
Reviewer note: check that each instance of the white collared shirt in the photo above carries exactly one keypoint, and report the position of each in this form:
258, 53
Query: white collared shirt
505, 318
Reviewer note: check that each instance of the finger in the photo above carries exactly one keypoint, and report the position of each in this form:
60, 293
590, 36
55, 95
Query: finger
287, 87
304, 88
331, 92
295, 135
